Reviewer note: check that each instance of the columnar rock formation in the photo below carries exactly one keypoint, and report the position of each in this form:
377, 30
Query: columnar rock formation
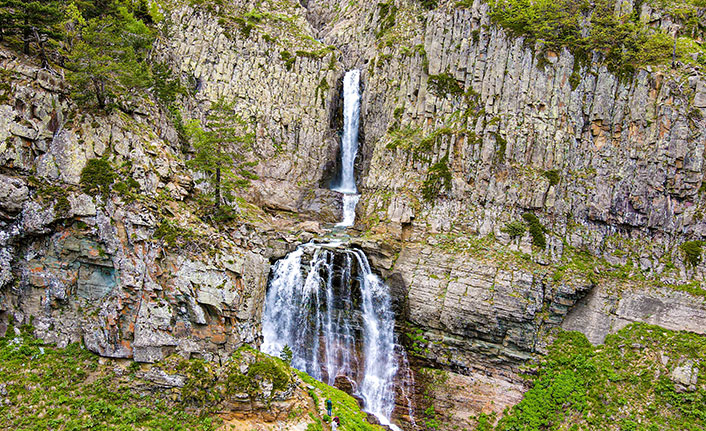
612, 167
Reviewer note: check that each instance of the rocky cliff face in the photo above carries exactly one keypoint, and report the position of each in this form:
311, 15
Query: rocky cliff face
133, 274
612, 167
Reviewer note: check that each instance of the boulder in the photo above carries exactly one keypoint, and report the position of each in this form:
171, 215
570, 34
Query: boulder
13, 194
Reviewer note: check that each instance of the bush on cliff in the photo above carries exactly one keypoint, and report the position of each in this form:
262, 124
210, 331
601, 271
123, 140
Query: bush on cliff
97, 176
624, 384
582, 27
536, 230
438, 179
692, 252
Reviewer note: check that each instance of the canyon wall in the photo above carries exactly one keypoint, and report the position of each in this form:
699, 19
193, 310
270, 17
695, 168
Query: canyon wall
612, 167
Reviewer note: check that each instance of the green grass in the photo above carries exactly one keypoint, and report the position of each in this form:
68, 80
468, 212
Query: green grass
621, 385
344, 406
68, 389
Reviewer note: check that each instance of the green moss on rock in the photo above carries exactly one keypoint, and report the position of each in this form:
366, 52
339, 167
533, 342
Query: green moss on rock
97, 176
692, 252
536, 230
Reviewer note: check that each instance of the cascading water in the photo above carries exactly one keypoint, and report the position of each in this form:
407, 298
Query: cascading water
325, 303
349, 146
335, 315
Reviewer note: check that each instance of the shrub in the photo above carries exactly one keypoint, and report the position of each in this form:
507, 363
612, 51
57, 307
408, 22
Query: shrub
552, 176
692, 252
515, 229
438, 178
174, 235
624, 42
444, 84
536, 230
97, 176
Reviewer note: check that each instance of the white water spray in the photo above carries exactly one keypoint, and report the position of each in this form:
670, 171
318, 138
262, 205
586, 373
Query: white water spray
349, 146
323, 310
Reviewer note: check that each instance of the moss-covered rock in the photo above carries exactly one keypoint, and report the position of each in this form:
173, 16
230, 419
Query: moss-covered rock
97, 176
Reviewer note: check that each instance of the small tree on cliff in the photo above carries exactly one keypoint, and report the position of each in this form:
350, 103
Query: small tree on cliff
221, 150
106, 57
33, 21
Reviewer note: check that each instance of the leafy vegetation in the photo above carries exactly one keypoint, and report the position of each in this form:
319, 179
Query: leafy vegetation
174, 235
106, 57
438, 179
102, 45
536, 230
221, 149
516, 229
444, 85
624, 42
33, 22
97, 176
50, 388
552, 176
623, 384
692, 252
417, 343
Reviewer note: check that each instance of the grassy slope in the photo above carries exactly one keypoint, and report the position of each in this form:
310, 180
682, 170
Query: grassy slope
43, 387
621, 385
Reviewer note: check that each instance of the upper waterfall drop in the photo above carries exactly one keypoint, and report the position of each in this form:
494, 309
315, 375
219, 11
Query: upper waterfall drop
349, 146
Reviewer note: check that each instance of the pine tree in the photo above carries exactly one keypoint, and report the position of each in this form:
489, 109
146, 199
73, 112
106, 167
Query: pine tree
106, 58
34, 21
221, 150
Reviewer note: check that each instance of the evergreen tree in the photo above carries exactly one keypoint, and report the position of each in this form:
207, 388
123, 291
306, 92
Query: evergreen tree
93, 8
221, 150
34, 21
106, 57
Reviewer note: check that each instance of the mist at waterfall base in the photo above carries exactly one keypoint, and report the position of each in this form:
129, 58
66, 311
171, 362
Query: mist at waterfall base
328, 310
349, 146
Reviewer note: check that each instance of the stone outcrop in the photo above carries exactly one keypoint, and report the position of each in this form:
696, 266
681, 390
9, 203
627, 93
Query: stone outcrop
607, 309
95, 268
612, 167
293, 102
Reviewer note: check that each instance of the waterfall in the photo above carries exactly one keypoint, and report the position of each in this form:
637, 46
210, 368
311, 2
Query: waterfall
327, 305
349, 146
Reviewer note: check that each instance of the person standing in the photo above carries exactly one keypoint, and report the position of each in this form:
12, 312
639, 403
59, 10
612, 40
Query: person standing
329, 406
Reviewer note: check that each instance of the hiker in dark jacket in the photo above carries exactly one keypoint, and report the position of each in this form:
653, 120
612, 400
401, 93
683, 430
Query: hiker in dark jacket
329, 406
